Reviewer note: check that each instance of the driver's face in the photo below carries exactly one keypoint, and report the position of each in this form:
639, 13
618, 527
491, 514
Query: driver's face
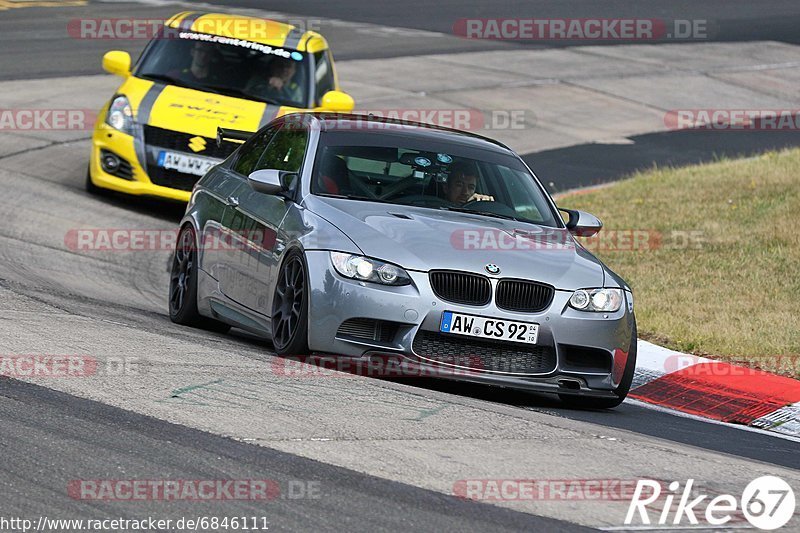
285, 71
201, 55
460, 189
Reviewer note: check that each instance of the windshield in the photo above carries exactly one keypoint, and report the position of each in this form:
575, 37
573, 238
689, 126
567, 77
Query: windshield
233, 67
444, 177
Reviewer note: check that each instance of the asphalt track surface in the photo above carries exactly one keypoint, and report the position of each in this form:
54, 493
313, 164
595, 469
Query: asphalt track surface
36, 43
54, 299
731, 20
582, 165
48, 434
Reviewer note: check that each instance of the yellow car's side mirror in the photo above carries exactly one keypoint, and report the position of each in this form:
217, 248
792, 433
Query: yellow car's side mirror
118, 63
338, 102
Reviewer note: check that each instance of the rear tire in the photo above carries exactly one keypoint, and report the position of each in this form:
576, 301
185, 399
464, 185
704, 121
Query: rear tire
183, 286
290, 307
621, 392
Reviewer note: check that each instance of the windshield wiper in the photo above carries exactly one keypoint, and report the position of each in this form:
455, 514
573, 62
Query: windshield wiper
484, 213
232, 91
174, 81
354, 197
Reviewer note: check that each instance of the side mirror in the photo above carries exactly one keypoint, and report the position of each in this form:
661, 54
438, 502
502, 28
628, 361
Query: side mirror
338, 102
582, 224
269, 181
118, 63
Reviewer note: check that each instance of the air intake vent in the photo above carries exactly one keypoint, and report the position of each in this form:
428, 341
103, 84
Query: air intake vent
368, 329
175, 140
487, 356
523, 296
461, 288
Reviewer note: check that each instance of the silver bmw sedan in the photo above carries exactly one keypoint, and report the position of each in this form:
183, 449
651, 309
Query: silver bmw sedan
369, 239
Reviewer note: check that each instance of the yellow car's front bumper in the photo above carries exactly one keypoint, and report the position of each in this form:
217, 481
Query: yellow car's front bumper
122, 145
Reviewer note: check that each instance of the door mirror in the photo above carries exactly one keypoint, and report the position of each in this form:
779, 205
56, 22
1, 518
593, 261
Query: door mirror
118, 63
582, 224
269, 181
338, 102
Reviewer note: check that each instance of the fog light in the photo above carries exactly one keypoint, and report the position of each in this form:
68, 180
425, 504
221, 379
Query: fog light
110, 162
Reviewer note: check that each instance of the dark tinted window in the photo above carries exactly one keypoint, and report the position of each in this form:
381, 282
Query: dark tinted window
233, 67
286, 150
421, 172
251, 152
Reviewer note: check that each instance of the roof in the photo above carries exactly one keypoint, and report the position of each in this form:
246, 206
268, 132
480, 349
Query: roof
338, 122
253, 29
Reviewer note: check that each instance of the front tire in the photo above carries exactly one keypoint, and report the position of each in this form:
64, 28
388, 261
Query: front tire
91, 188
183, 286
621, 392
290, 307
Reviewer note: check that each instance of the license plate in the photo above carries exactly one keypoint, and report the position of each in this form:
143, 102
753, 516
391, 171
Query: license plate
188, 164
489, 328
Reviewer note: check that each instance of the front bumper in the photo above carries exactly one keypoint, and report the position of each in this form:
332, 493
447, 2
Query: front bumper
586, 353
125, 147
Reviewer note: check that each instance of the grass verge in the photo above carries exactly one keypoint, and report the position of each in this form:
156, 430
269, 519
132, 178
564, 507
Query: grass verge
712, 254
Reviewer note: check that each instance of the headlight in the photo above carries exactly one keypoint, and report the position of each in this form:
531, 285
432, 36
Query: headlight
597, 300
366, 269
120, 116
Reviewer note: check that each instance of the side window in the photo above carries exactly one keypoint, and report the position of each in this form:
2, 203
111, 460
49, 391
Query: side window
250, 153
286, 150
323, 75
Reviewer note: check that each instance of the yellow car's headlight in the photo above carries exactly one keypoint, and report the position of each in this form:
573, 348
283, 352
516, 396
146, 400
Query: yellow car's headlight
120, 115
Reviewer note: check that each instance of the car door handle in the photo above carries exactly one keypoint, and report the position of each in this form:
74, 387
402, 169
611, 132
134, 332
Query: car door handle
233, 201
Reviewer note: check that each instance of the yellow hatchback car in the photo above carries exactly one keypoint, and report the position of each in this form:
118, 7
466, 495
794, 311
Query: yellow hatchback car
157, 134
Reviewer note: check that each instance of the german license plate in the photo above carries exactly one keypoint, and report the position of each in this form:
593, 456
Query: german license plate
188, 164
489, 328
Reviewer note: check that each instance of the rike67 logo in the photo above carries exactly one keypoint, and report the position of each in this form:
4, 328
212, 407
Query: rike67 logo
767, 503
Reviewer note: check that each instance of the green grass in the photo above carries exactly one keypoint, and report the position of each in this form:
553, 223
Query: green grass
733, 291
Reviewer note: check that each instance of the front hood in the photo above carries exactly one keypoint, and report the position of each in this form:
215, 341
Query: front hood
426, 239
195, 112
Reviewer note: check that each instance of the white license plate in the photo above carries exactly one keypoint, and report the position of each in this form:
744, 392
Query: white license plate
188, 164
489, 328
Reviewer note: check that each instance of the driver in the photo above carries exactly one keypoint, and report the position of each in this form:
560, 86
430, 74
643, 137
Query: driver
278, 81
461, 184
202, 68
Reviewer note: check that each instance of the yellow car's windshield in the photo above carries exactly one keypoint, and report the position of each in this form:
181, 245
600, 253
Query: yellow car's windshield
233, 67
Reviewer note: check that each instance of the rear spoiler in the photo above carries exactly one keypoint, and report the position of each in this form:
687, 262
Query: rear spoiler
237, 136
